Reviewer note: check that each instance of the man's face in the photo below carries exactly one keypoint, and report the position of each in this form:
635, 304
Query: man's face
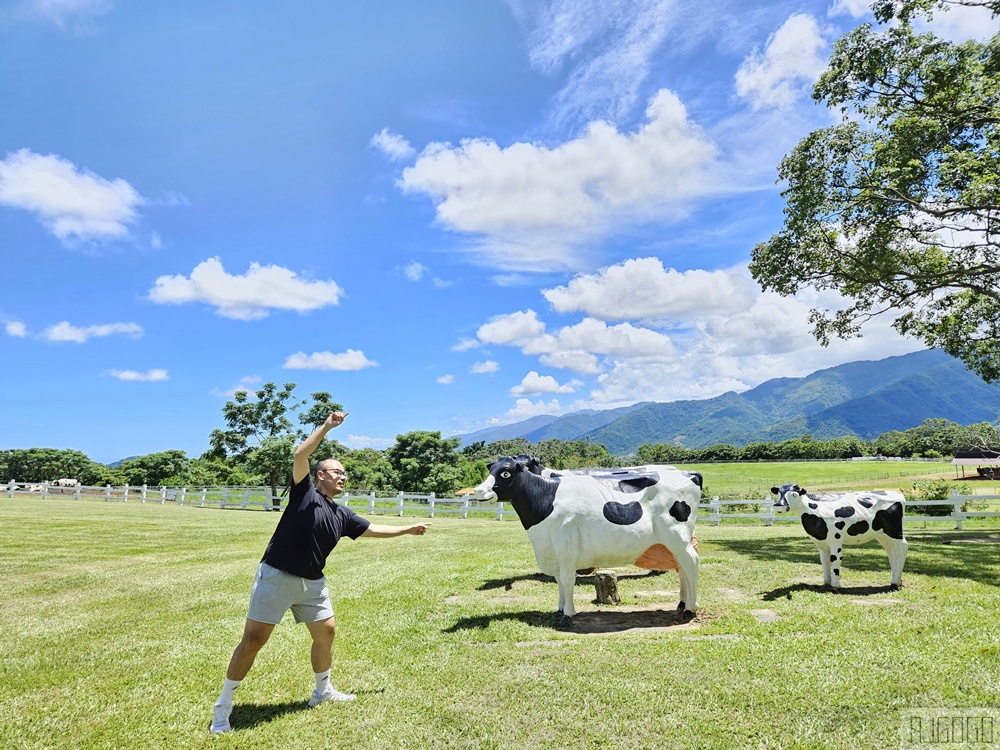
331, 479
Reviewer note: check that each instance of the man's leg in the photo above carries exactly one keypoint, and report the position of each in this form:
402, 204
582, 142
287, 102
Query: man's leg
255, 635
321, 655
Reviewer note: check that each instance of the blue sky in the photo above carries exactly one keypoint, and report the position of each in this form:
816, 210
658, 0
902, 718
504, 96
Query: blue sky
449, 215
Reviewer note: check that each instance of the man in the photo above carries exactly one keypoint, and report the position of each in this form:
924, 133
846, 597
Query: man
290, 574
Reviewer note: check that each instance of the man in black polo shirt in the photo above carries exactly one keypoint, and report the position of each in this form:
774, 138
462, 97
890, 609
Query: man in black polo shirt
290, 575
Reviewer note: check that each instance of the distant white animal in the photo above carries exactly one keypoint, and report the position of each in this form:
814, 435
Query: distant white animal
66, 482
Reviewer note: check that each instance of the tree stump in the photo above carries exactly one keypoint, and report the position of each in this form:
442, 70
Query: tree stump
606, 583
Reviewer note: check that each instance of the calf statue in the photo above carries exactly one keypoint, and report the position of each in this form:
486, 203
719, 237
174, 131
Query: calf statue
834, 521
607, 518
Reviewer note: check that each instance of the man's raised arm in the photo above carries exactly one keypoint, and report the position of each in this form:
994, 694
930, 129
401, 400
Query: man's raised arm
300, 467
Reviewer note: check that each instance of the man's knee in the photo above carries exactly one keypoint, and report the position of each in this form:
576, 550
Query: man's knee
323, 631
255, 635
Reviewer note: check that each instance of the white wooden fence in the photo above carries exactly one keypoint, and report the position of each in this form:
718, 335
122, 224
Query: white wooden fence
246, 498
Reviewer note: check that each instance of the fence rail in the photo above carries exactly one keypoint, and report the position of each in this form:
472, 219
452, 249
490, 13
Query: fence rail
373, 503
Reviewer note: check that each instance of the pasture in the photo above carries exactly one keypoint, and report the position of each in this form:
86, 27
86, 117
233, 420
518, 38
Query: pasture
118, 621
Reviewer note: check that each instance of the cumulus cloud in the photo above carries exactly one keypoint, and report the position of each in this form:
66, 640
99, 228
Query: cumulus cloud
852, 8
73, 204
244, 386
642, 288
16, 328
575, 346
248, 297
352, 359
73, 15
446, 379
485, 367
394, 146
131, 376
524, 408
534, 384
363, 441
465, 344
414, 271
532, 206
785, 71
65, 331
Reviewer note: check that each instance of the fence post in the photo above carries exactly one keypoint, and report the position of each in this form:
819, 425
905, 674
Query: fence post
163, 495
125, 494
184, 490
201, 503
45, 490
79, 488
959, 516
768, 512
430, 505
246, 499
10, 489
400, 508
143, 494
107, 494
371, 503
499, 511
716, 511
465, 505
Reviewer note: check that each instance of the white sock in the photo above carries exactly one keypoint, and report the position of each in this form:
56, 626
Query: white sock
322, 680
228, 688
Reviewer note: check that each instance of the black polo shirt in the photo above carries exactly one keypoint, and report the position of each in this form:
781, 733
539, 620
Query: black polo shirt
308, 530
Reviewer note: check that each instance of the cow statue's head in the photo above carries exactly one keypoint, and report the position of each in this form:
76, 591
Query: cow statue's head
503, 474
782, 492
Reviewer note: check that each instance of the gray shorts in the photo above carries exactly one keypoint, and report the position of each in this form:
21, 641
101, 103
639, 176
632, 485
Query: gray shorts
275, 592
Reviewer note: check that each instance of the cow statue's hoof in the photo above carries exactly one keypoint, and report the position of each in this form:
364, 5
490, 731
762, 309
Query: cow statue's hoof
894, 586
565, 623
687, 616
680, 605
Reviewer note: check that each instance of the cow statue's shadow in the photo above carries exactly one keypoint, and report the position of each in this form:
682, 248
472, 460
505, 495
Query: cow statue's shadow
583, 578
786, 592
608, 620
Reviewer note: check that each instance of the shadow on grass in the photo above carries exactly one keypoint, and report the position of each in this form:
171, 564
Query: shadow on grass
600, 621
930, 554
248, 715
582, 579
785, 592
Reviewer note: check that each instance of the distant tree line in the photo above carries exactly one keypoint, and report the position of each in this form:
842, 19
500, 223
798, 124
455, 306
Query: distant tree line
256, 448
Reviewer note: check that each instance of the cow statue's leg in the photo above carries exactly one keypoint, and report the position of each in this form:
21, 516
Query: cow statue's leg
687, 561
684, 587
824, 560
567, 582
896, 550
835, 558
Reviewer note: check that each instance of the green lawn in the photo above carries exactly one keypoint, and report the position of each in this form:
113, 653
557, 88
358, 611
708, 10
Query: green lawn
118, 621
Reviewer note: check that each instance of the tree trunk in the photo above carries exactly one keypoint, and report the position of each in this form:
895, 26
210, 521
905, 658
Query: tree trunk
606, 583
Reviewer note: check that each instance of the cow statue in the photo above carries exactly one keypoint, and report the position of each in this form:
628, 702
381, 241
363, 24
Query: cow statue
578, 521
834, 521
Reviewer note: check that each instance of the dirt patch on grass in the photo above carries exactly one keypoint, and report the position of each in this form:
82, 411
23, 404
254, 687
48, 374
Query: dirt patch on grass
632, 620
766, 615
657, 594
733, 595
973, 540
879, 602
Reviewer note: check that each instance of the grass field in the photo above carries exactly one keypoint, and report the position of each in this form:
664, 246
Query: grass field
118, 621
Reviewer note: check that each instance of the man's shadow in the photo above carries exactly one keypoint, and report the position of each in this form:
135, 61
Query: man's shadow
249, 715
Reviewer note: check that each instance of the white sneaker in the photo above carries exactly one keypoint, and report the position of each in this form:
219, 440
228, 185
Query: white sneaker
329, 695
220, 717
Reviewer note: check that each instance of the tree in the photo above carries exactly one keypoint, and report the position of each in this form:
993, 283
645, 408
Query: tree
261, 435
158, 469
368, 469
425, 462
898, 206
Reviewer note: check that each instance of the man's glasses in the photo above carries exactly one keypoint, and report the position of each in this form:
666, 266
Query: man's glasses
336, 472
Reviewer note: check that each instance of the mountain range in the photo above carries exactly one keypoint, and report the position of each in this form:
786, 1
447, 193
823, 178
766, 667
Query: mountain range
863, 399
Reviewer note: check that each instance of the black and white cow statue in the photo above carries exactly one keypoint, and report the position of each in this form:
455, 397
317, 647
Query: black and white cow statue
836, 520
578, 521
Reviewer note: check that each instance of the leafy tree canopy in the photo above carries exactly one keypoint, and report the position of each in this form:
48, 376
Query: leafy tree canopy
897, 207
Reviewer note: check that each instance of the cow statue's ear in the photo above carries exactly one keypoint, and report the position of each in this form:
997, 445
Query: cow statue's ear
802, 490
775, 491
489, 466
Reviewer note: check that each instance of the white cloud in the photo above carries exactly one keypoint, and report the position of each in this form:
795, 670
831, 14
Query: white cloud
641, 288
248, 297
352, 359
243, 386
785, 71
524, 408
442, 283
465, 344
73, 204
414, 271
77, 15
853, 8
959, 23
583, 363
609, 47
484, 368
363, 441
394, 146
446, 379
16, 328
131, 376
64, 331
533, 207
534, 384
